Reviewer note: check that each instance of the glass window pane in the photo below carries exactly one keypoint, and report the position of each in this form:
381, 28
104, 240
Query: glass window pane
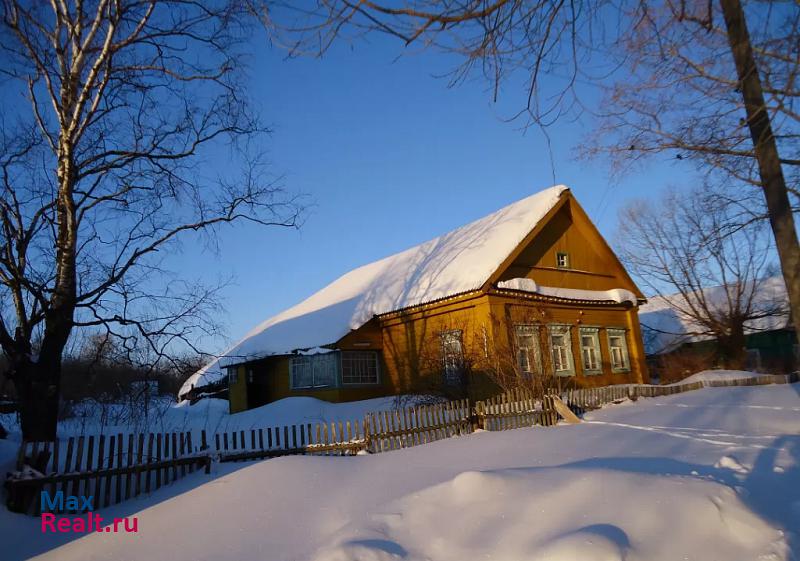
618, 349
561, 350
359, 367
590, 349
452, 356
528, 355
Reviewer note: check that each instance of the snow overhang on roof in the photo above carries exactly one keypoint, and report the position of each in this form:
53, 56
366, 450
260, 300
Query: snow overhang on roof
457, 262
614, 295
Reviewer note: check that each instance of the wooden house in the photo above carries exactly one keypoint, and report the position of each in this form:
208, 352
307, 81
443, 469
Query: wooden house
530, 292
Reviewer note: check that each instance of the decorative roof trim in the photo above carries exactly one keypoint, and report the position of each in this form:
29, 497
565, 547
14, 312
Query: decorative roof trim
558, 299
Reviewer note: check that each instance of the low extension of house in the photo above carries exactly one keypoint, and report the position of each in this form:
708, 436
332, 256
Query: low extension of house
529, 292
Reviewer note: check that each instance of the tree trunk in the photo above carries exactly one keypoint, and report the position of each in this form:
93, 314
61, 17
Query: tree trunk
38, 391
731, 349
766, 150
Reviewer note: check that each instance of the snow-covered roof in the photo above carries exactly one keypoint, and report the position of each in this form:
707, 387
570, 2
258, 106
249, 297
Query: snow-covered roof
664, 328
457, 262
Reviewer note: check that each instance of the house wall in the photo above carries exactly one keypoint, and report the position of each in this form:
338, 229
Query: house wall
411, 352
272, 379
777, 349
509, 311
592, 264
412, 345
237, 391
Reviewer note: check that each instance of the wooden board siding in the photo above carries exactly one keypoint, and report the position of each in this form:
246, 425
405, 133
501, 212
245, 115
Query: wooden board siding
237, 392
592, 264
412, 340
410, 344
274, 375
517, 311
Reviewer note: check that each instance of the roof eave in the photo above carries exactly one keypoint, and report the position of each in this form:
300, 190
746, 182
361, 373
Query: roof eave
555, 299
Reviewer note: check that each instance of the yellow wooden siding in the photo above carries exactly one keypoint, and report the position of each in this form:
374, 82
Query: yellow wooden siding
276, 372
412, 355
592, 265
516, 311
412, 341
237, 392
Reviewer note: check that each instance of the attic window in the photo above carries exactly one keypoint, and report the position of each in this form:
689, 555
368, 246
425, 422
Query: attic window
562, 260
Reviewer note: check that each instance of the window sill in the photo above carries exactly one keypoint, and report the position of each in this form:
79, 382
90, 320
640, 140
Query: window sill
565, 374
620, 370
592, 372
346, 385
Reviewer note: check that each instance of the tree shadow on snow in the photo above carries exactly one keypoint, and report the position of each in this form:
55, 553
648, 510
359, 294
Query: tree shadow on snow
25, 531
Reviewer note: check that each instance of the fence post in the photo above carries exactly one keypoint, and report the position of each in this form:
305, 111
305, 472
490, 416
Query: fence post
367, 434
477, 418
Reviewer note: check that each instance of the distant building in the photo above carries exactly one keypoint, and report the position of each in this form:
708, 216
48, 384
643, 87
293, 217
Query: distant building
534, 284
770, 341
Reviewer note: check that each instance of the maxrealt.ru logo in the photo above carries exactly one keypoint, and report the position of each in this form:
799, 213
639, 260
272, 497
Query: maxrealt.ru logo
91, 522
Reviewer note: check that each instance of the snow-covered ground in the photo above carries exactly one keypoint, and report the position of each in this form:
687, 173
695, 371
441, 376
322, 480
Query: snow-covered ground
707, 475
209, 414
717, 376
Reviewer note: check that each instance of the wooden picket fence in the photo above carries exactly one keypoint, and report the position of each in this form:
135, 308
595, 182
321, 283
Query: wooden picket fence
756, 381
413, 426
583, 399
515, 409
329, 439
113, 468
110, 468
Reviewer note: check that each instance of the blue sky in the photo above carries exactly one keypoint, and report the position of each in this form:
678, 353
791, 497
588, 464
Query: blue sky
390, 157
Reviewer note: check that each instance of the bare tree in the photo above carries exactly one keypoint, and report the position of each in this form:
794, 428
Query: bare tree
687, 77
735, 117
122, 111
693, 252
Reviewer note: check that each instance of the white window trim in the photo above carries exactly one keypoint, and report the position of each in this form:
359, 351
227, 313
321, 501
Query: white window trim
233, 375
594, 333
558, 260
533, 330
626, 358
561, 329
